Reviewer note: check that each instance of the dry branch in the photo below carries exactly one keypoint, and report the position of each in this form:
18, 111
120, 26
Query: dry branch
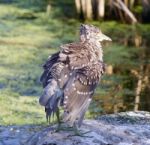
120, 5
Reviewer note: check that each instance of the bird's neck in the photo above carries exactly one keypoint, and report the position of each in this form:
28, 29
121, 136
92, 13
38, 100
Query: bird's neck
96, 49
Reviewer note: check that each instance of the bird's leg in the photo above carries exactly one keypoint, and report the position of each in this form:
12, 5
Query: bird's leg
60, 127
58, 120
75, 129
78, 132
58, 116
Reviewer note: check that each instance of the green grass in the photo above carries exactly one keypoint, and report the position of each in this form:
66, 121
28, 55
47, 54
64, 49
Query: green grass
24, 46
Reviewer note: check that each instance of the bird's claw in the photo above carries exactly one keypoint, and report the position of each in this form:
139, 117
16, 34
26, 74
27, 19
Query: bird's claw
81, 134
61, 128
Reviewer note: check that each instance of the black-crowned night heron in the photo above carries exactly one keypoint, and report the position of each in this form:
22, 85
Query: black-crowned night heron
71, 75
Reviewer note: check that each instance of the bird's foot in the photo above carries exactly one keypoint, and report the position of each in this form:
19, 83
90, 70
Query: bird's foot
74, 129
63, 128
80, 133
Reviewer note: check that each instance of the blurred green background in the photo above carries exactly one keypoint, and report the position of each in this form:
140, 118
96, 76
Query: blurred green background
31, 30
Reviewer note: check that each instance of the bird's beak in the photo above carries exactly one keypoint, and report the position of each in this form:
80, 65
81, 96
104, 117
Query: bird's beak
102, 37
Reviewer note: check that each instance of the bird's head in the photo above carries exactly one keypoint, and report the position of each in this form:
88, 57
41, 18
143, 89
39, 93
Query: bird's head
92, 33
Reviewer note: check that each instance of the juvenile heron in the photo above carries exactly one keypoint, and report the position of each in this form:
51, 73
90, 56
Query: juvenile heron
71, 75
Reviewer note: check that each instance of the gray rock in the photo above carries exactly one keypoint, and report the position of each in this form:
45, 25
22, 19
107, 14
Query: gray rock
128, 128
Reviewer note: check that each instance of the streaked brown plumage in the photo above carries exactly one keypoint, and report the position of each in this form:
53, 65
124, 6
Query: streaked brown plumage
71, 75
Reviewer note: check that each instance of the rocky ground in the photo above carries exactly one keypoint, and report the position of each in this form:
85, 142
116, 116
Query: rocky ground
129, 128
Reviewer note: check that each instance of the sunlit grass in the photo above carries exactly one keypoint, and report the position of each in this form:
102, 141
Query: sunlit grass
20, 68
23, 49
16, 109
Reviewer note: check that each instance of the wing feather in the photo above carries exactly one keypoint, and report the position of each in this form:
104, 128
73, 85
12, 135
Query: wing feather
75, 77
47, 67
79, 91
76, 53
